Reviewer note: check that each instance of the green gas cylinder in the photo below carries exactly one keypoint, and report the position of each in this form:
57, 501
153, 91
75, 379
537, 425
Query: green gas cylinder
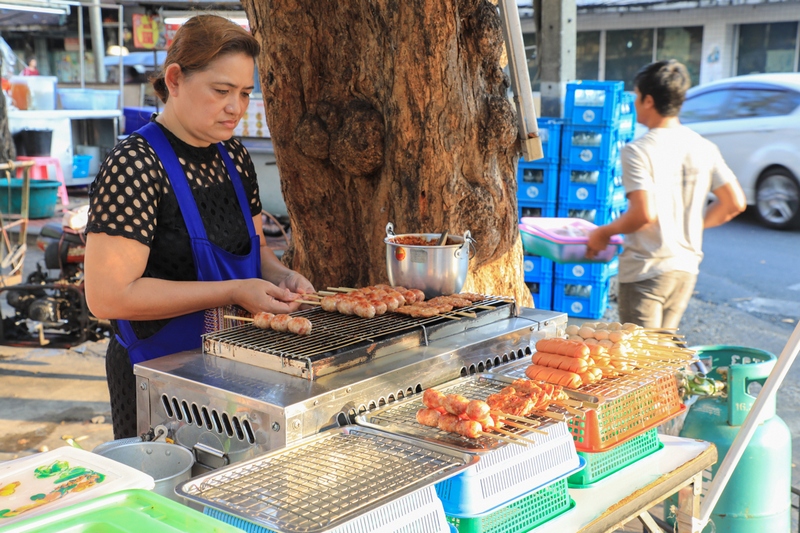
757, 499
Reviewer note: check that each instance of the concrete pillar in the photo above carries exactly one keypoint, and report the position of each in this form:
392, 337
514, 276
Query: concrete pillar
98, 43
556, 51
717, 58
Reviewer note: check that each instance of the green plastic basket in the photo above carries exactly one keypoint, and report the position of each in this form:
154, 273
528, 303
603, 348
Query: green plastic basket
522, 515
603, 464
128, 511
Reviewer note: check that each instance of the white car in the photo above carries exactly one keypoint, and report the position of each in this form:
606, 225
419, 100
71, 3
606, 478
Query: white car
755, 122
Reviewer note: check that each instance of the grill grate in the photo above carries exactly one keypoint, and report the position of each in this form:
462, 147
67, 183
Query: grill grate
334, 333
402, 416
324, 481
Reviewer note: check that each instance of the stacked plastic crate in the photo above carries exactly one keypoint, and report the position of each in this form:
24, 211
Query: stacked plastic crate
537, 195
599, 119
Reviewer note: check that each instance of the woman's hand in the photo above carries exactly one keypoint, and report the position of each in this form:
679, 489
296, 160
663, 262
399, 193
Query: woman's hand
296, 282
257, 295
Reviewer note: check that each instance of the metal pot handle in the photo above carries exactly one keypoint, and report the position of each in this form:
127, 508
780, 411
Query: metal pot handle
470, 242
390, 230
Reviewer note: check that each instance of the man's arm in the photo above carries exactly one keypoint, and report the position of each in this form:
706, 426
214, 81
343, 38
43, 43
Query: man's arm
640, 213
729, 203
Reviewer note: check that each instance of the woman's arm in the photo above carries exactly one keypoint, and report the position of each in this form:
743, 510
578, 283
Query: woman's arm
115, 288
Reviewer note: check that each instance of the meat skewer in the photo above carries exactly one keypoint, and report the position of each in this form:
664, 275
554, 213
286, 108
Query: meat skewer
294, 324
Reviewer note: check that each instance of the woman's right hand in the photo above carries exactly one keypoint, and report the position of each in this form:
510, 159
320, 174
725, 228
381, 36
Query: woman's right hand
257, 295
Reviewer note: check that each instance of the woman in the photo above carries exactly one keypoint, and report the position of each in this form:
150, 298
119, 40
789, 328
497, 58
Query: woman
174, 211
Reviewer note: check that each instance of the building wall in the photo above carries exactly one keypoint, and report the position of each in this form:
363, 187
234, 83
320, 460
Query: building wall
719, 28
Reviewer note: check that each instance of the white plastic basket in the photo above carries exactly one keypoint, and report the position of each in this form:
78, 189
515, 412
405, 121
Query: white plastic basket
418, 512
68, 474
505, 471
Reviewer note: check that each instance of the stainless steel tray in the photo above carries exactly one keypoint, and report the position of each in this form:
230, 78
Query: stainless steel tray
326, 480
400, 417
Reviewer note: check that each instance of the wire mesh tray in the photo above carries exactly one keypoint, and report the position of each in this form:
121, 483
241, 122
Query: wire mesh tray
506, 471
626, 407
325, 481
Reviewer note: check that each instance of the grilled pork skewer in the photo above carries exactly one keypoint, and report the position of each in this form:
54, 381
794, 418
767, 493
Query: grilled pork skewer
293, 324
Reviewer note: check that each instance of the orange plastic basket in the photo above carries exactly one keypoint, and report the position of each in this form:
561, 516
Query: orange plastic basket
628, 407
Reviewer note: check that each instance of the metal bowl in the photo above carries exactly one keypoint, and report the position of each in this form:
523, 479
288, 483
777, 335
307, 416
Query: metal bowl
433, 269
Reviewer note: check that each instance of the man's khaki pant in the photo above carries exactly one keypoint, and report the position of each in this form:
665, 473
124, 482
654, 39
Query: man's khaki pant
657, 302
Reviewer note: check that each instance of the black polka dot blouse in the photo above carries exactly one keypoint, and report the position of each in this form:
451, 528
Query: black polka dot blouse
131, 197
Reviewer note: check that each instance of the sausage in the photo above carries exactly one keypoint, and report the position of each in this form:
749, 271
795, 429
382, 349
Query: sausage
280, 323
428, 417
455, 404
477, 410
597, 350
469, 429
563, 347
262, 320
299, 325
364, 309
419, 294
432, 399
448, 422
562, 362
391, 302
380, 307
553, 375
328, 303
410, 296
346, 306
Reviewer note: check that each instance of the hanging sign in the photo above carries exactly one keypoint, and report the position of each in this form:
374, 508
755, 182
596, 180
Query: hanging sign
146, 30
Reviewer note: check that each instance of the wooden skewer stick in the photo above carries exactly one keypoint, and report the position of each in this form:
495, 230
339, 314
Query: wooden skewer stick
337, 289
551, 414
511, 435
569, 409
498, 437
573, 403
309, 302
312, 296
522, 426
327, 293
487, 307
466, 314
451, 317
346, 289
515, 417
242, 318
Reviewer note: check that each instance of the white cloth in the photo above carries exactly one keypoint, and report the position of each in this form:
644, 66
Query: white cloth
677, 168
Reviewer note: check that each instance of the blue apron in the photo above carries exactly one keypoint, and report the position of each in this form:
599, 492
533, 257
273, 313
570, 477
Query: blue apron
212, 262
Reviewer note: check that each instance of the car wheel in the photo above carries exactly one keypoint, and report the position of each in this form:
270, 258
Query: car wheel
778, 199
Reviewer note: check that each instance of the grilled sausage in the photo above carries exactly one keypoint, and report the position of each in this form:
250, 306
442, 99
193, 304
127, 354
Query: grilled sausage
299, 325
280, 322
262, 320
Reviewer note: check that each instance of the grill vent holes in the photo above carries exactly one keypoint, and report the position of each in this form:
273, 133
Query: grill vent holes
349, 417
201, 416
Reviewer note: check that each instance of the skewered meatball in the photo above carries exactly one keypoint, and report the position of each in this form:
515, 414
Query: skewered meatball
262, 320
428, 417
433, 399
455, 404
380, 307
299, 325
477, 410
364, 309
448, 422
280, 323
419, 294
469, 429
328, 303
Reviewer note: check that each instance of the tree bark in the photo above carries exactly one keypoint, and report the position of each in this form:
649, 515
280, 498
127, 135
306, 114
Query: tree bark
388, 110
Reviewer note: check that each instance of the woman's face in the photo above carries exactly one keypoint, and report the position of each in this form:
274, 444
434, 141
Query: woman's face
210, 103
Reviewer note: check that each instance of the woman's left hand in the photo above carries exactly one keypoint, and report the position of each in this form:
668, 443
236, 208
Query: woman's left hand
296, 282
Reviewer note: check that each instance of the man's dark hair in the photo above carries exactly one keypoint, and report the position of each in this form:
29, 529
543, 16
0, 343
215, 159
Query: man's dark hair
667, 82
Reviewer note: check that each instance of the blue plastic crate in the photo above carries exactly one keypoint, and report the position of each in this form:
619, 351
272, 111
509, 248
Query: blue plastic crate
582, 272
596, 103
542, 291
535, 266
535, 209
580, 299
537, 182
590, 145
598, 214
550, 133
627, 116
581, 185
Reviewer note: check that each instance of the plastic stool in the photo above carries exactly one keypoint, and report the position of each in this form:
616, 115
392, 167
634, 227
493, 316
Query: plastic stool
39, 172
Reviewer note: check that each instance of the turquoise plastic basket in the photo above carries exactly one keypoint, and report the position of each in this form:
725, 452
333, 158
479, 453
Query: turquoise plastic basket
601, 465
522, 515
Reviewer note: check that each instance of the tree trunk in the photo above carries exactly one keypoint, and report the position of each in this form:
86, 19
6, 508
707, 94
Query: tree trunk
390, 111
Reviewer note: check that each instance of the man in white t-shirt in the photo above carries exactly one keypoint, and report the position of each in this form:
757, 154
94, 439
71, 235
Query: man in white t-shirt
667, 175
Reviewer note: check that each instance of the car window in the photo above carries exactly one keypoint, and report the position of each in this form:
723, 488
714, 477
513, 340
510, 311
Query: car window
747, 103
706, 106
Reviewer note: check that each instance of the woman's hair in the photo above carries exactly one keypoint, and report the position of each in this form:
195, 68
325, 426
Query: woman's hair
201, 40
667, 82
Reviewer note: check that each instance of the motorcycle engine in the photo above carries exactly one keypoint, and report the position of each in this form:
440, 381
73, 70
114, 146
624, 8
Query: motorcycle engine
47, 310
52, 310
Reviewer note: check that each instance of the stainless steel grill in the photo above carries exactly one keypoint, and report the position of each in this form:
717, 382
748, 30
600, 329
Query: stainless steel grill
325, 481
229, 411
335, 339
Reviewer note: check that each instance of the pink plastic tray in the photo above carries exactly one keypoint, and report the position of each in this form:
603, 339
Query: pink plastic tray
564, 240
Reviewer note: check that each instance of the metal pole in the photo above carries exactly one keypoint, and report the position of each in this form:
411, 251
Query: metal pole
557, 54
120, 43
726, 468
98, 43
520, 81
81, 50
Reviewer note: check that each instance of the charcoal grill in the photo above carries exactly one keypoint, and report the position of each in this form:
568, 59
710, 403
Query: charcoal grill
252, 391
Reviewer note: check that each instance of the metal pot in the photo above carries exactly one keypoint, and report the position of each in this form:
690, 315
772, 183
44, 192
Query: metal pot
435, 270
168, 464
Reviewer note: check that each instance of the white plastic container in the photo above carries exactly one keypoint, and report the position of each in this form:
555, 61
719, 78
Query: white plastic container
40, 94
51, 480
